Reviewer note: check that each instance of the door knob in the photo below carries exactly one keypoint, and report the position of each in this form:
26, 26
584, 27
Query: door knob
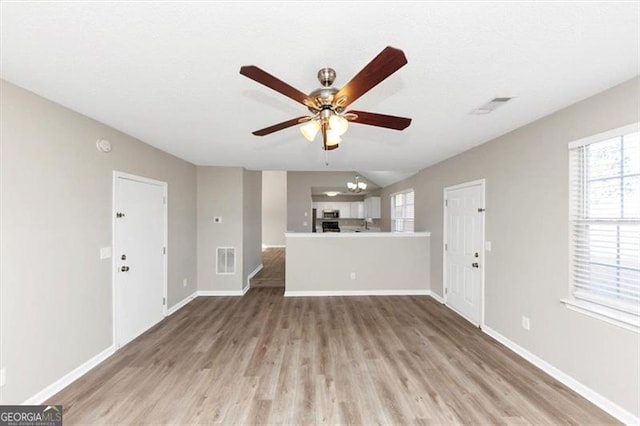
124, 268
474, 264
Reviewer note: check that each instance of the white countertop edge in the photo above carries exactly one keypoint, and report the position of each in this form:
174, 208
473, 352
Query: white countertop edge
354, 234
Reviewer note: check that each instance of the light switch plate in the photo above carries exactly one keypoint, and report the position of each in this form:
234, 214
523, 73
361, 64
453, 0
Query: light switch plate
105, 253
3, 376
487, 245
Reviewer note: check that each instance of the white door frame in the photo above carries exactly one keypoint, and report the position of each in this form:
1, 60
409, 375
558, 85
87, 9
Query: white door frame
114, 261
483, 261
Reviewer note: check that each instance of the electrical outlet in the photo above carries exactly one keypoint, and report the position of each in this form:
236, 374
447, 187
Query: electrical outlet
526, 323
184, 282
3, 376
353, 275
304, 224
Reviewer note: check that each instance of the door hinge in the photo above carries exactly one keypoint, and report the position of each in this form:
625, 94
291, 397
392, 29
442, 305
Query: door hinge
164, 250
164, 200
446, 290
446, 246
480, 209
119, 215
446, 203
164, 301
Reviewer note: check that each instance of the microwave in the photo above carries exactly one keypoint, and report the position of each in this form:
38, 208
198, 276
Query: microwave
330, 214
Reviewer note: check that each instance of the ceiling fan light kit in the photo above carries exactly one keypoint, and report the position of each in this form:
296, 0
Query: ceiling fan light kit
327, 104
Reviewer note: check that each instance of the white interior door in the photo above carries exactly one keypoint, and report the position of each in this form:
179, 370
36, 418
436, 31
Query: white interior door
139, 255
464, 254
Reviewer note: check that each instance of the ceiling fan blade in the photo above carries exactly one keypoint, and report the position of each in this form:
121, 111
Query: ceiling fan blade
382, 66
280, 126
380, 120
263, 77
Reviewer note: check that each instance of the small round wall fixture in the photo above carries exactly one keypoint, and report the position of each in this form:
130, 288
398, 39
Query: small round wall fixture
103, 145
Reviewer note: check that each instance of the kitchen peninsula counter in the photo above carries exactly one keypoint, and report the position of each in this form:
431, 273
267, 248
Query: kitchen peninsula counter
357, 263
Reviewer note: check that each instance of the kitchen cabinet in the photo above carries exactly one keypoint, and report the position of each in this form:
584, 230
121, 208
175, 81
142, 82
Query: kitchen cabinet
357, 210
372, 207
348, 209
345, 209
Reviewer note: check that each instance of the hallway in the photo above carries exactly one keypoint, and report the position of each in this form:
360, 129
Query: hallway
273, 272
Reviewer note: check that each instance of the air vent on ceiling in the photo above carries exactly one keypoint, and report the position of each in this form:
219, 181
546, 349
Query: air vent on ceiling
490, 106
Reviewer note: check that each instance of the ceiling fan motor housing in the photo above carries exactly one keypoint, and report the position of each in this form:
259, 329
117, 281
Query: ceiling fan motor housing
326, 76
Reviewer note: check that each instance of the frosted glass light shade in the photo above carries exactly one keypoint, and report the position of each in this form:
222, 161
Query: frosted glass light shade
333, 138
338, 124
310, 130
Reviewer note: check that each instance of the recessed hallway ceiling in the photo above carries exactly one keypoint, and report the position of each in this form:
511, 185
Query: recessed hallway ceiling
167, 73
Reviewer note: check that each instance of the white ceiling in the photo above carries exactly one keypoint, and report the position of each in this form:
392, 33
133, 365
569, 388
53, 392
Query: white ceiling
167, 73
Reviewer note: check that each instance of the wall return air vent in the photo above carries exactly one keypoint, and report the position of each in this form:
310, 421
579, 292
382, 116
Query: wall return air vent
490, 106
226, 260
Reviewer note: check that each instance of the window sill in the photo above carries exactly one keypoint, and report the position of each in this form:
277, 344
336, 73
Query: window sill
612, 316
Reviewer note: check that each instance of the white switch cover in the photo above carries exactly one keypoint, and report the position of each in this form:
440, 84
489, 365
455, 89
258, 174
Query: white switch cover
184, 282
353, 275
217, 220
304, 223
105, 253
487, 245
306, 214
3, 376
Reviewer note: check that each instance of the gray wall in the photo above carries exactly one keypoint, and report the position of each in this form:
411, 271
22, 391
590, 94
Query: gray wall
394, 263
274, 207
219, 195
527, 272
299, 186
252, 222
235, 195
56, 310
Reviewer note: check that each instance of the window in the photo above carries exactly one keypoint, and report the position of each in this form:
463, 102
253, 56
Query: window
605, 226
402, 206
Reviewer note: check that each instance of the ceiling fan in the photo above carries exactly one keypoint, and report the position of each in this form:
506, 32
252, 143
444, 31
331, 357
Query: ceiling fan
327, 104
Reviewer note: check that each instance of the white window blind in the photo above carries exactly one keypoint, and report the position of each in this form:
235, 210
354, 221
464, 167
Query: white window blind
402, 211
605, 223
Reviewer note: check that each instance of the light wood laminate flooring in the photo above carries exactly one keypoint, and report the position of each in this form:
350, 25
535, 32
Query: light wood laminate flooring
273, 269
263, 358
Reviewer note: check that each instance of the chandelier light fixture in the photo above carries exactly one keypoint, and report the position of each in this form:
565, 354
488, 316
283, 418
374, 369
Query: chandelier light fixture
356, 186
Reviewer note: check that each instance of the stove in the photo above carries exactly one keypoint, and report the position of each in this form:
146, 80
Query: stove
330, 226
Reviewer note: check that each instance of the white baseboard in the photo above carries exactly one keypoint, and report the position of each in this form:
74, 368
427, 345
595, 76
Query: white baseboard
266, 246
589, 394
181, 303
438, 298
220, 293
356, 293
251, 275
69, 378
